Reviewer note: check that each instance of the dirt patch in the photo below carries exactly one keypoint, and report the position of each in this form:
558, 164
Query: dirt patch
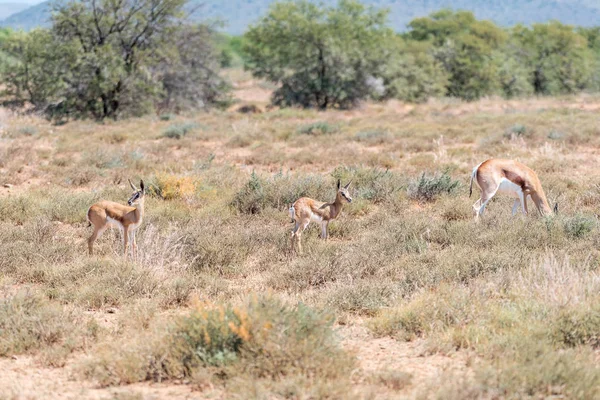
386, 354
23, 378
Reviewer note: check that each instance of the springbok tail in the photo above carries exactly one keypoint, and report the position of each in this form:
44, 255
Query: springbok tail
87, 217
473, 177
292, 213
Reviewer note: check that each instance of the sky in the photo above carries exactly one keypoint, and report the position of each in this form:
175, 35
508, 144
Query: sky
31, 2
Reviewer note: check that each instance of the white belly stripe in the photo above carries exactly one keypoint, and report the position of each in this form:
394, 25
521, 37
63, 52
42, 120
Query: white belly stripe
114, 222
315, 217
509, 188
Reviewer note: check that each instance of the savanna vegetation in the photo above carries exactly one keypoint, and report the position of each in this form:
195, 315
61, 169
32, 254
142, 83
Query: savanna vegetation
218, 302
409, 298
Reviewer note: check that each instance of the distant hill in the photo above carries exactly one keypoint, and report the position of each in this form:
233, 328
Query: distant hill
31, 17
238, 14
8, 9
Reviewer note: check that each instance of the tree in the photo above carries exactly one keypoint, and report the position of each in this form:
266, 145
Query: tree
321, 56
188, 71
559, 57
116, 39
35, 67
412, 74
113, 58
513, 70
465, 47
592, 36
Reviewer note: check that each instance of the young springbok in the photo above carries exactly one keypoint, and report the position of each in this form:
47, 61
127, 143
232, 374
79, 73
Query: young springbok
305, 210
512, 178
127, 218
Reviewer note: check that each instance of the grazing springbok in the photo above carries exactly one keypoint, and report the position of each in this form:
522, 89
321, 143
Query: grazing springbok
305, 210
127, 218
512, 178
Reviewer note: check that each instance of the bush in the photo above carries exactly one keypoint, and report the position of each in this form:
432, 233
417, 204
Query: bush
371, 184
318, 128
29, 322
167, 117
280, 192
555, 135
28, 131
576, 326
170, 187
429, 188
178, 131
263, 338
374, 137
517, 130
579, 226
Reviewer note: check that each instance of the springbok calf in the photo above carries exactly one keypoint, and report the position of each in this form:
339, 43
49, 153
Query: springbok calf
127, 218
305, 210
512, 178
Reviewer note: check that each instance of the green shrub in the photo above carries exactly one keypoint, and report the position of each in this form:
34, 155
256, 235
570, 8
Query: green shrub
318, 128
576, 326
262, 338
579, 226
29, 322
28, 131
429, 188
279, 192
373, 137
517, 130
556, 135
167, 117
178, 131
371, 184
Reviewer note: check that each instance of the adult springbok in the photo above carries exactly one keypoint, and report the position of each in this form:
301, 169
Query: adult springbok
127, 218
512, 178
305, 210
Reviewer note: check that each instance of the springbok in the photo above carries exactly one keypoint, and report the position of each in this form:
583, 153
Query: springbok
512, 178
127, 218
305, 210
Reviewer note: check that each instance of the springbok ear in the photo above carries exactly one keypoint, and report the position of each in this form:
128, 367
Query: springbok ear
348, 185
555, 208
131, 184
142, 186
339, 184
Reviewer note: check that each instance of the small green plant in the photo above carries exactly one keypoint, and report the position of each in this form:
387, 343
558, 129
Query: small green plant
576, 326
556, 135
373, 137
429, 188
167, 117
318, 128
27, 131
250, 199
178, 131
579, 226
517, 130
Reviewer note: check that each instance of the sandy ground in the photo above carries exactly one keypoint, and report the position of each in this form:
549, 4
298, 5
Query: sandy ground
23, 377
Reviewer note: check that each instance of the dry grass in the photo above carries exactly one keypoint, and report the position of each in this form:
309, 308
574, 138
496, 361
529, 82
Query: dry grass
518, 295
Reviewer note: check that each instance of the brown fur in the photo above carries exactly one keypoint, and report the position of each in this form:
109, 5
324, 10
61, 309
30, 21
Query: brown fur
305, 209
489, 174
128, 218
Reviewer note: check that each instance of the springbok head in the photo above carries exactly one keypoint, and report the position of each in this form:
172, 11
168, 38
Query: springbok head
343, 191
138, 194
